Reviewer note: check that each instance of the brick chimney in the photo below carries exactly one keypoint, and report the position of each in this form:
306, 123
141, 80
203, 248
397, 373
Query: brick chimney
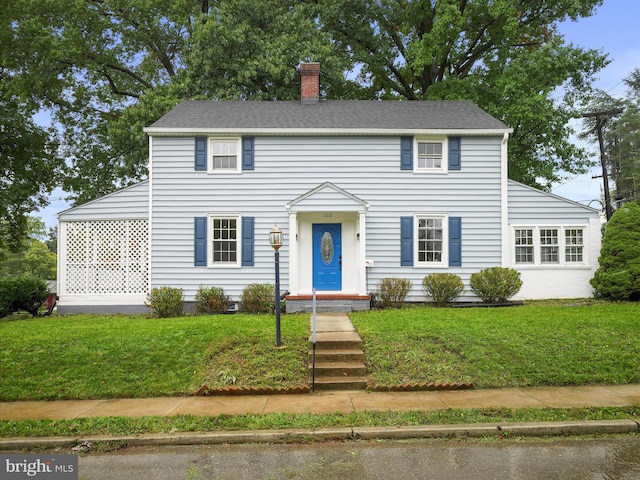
310, 82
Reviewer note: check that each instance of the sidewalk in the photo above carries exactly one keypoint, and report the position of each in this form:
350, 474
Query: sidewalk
344, 402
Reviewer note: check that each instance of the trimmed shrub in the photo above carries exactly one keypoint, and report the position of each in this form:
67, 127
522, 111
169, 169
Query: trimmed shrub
495, 284
166, 302
212, 300
392, 292
443, 288
25, 292
618, 276
258, 298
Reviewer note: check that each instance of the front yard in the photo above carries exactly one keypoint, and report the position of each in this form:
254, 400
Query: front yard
89, 356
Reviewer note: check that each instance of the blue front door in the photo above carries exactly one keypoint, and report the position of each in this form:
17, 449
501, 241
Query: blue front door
327, 256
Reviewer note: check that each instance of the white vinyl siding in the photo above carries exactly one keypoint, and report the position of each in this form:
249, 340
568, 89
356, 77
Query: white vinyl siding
130, 202
289, 167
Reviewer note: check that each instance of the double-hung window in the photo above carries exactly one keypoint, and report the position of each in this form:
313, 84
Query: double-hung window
431, 247
225, 237
224, 155
543, 245
549, 245
524, 245
431, 155
574, 245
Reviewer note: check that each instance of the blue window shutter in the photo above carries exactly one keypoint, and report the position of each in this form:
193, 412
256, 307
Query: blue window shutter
200, 153
200, 242
406, 241
247, 153
406, 153
247, 241
455, 241
455, 162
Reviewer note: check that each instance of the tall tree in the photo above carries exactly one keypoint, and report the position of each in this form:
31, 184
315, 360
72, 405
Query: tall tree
620, 128
29, 170
504, 54
107, 68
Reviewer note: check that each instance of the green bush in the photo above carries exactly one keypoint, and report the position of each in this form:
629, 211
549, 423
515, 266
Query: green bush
443, 288
212, 300
166, 302
392, 292
495, 284
6, 297
26, 292
258, 298
618, 276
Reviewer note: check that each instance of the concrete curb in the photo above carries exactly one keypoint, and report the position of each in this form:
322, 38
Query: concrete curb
476, 430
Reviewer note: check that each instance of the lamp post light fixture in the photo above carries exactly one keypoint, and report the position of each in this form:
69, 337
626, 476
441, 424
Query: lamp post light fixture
275, 239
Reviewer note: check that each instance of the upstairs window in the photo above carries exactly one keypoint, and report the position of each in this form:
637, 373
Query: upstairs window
224, 156
431, 155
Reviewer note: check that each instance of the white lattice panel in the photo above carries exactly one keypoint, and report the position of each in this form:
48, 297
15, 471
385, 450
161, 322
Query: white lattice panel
106, 257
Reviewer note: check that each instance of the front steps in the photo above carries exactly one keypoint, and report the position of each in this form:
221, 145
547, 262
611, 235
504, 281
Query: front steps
339, 361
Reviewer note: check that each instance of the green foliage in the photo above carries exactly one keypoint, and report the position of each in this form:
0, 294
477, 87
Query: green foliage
618, 276
32, 256
495, 284
29, 169
392, 292
258, 298
107, 69
212, 300
443, 288
503, 55
165, 302
621, 137
23, 293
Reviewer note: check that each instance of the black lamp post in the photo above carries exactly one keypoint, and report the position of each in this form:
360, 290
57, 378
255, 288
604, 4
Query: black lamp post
275, 239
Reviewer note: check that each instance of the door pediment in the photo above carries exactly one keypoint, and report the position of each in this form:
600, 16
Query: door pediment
327, 196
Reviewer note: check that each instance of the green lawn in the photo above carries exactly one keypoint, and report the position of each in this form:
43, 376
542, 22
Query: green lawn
89, 356
529, 345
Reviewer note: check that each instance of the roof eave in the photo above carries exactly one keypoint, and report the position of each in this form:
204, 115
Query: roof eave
184, 132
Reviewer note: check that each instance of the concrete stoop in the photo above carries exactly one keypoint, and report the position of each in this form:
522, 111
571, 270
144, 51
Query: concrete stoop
339, 362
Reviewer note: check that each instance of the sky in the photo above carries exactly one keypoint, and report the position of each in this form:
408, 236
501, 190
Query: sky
613, 29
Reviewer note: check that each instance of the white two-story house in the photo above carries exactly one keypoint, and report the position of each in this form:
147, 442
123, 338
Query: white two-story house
362, 190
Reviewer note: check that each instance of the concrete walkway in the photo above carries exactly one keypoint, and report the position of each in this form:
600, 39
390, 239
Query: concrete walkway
345, 402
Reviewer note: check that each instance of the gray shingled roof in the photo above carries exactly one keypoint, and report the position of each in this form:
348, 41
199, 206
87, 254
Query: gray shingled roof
334, 114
